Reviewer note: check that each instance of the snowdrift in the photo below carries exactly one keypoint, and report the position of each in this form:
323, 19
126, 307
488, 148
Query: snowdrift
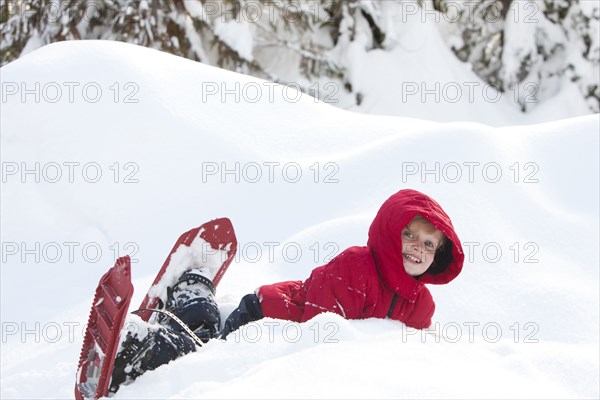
110, 149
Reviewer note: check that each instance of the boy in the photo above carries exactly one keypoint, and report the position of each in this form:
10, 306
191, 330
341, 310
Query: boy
411, 242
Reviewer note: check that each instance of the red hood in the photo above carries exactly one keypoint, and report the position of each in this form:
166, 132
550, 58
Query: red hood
385, 241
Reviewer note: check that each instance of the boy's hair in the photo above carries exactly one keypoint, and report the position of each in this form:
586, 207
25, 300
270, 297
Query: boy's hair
443, 253
442, 259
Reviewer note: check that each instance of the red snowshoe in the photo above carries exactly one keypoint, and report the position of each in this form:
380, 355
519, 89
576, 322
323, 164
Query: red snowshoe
209, 248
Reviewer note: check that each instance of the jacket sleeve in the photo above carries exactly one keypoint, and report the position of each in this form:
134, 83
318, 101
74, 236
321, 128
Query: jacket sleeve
282, 300
339, 286
421, 315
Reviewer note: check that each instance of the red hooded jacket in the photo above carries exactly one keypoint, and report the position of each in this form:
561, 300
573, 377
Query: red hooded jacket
370, 281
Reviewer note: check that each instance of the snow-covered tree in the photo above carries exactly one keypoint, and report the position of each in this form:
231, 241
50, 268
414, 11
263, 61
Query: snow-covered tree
529, 47
28, 24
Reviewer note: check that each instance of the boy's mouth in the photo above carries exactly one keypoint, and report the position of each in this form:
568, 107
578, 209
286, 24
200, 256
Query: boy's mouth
411, 258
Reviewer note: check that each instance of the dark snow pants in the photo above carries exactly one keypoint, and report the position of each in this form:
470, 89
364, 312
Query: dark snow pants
170, 341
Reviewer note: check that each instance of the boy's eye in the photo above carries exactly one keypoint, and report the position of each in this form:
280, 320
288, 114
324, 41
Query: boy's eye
408, 234
429, 244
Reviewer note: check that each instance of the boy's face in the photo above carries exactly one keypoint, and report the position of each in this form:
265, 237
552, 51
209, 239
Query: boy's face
420, 240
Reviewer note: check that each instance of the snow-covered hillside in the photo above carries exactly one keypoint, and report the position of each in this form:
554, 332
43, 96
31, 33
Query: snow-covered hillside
110, 149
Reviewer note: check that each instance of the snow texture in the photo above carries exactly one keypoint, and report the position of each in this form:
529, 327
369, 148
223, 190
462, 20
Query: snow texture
198, 255
521, 321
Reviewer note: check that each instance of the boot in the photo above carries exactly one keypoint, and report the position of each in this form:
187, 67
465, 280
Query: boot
192, 299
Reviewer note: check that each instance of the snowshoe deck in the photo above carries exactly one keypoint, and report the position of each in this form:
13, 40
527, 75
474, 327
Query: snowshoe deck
214, 242
101, 339
209, 247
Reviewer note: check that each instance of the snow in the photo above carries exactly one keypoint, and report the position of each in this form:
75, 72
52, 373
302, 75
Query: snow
371, 359
521, 321
237, 35
418, 76
198, 255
